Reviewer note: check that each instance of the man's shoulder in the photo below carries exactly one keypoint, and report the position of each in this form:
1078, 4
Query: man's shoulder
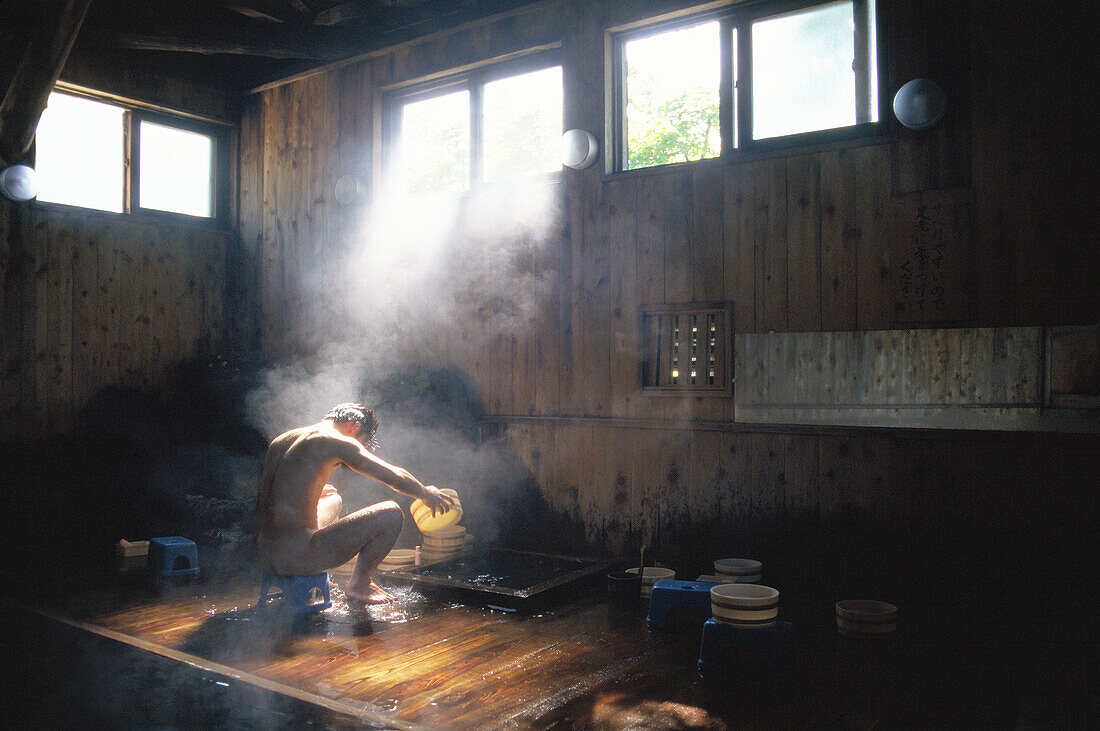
302, 431
291, 435
318, 436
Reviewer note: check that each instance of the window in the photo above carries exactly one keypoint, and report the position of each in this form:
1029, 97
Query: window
94, 154
758, 76
686, 347
435, 144
522, 125
487, 126
672, 103
79, 153
176, 169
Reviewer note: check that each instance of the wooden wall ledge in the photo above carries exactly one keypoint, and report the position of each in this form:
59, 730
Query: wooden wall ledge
1023, 379
492, 427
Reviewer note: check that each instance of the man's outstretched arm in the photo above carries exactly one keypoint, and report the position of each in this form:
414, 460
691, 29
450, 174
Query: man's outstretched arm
399, 479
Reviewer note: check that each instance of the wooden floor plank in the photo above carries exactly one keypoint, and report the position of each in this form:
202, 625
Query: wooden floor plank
518, 648
354, 709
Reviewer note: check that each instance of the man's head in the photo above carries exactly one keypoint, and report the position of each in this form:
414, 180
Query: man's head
359, 415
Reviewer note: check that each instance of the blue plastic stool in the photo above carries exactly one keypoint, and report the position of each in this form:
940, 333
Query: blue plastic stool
173, 557
668, 594
763, 652
302, 594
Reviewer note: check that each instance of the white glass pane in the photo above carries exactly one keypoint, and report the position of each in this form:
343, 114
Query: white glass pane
79, 153
802, 72
736, 79
176, 167
521, 124
872, 56
672, 84
434, 153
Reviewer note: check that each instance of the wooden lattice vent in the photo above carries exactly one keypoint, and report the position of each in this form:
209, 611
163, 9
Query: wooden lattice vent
687, 348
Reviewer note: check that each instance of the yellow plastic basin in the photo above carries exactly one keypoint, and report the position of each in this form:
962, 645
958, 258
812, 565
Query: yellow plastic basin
427, 523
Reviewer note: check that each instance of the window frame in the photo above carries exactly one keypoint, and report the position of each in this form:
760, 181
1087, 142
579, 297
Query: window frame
133, 115
735, 99
471, 80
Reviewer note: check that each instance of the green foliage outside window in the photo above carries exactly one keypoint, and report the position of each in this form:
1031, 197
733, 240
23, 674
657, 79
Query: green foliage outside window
663, 130
522, 120
672, 100
522, 147
435, 144
519, 123
813, 70
439, 163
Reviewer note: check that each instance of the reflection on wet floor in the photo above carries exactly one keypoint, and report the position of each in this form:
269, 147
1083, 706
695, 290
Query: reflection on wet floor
409, 605
235, 629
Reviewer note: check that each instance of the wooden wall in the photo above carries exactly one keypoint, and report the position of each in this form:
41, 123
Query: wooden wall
811, 240
94, 300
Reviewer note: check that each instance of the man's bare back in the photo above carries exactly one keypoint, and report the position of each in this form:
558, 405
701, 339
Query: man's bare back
299, 532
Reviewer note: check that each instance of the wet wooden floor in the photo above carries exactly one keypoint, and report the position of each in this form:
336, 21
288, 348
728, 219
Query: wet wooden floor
425, 662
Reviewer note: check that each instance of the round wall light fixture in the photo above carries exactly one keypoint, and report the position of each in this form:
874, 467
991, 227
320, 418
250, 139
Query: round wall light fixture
19, 183
579, 149
919, 104
348, 190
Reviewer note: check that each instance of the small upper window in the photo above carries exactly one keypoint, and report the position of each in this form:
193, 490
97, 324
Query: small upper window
435, 144
485, 126
753, 76
809, 72
672, 81
177, 168
110, 157
522, 125
79, 153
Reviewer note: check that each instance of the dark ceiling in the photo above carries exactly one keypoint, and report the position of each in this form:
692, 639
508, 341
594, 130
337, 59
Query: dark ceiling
235, 45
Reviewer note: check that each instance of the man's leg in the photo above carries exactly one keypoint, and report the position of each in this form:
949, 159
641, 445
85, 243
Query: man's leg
370, 532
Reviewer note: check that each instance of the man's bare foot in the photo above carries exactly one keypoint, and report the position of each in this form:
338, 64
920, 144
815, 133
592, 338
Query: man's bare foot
372, 594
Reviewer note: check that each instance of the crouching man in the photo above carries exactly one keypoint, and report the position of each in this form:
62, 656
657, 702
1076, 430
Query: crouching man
300, 531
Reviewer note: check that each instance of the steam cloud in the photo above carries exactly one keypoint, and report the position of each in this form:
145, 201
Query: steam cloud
416, 284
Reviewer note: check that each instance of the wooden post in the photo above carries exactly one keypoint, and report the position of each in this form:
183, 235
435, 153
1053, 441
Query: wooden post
45, 55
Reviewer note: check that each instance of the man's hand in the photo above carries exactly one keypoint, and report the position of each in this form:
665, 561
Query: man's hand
328, 490
436, 500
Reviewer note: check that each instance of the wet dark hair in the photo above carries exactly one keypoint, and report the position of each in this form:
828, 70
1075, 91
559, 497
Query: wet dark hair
358, 414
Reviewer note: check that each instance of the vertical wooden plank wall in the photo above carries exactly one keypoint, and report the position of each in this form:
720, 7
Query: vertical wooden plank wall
814, 240
103, 301
244, 267
13, 239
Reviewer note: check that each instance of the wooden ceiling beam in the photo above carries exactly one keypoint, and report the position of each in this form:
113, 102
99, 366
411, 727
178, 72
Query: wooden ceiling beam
301, 7
50, 39
271, 10
223, 33
389, 14
351, 11
294, 49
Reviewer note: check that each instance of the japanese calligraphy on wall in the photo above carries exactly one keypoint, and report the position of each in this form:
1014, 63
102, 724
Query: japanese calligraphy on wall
931, 244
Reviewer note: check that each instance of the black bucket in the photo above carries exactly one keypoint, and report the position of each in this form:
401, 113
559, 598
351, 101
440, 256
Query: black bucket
624, 588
